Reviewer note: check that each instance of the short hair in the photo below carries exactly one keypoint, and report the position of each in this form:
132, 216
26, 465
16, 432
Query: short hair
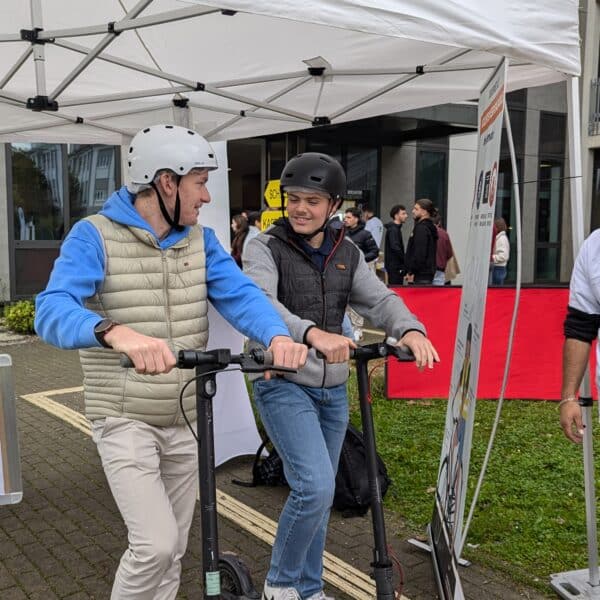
500, 224
396, 209
253, 216
354, 211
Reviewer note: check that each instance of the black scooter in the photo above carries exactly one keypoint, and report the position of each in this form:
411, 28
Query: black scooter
226, 577
382, 565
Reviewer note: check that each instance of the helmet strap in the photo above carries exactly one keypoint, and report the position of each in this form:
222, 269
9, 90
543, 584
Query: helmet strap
172, 221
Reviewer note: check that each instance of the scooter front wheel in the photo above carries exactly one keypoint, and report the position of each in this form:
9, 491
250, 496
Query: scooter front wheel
236, 582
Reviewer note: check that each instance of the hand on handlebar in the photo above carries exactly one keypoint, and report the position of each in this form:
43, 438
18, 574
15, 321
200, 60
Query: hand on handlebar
150, 356
287, 353
422, 348
334, 347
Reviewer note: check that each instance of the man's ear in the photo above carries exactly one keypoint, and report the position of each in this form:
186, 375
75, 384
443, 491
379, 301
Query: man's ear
167, 182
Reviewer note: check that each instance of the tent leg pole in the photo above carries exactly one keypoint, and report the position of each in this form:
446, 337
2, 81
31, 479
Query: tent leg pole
583, 583
39, 55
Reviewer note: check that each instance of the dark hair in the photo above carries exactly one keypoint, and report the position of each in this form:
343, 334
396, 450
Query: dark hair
253, 216
427, 204
239, 237
354, 211
500, 224
396, 209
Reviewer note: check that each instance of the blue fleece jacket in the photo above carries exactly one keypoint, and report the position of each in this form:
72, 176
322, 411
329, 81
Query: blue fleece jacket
61, 319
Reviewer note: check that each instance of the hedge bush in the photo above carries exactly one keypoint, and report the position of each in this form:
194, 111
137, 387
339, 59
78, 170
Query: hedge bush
19, 316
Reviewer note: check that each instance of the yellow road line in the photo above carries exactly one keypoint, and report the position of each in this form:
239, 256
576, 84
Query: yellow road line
335, 571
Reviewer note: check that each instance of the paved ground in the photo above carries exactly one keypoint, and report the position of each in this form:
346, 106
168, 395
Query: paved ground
65, 538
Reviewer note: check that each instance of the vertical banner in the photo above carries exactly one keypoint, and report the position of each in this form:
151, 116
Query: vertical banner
445, 531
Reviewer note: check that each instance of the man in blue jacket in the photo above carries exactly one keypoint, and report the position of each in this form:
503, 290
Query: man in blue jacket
136, 279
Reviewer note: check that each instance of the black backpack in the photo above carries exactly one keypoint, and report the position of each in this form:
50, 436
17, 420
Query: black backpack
352, 495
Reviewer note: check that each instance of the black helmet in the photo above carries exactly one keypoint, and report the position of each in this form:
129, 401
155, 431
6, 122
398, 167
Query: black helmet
315, 171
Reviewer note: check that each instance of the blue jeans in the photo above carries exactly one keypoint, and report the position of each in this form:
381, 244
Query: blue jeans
307, 426
498, 275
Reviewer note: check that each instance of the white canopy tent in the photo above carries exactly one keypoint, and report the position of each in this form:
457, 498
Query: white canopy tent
96, 71
257, 67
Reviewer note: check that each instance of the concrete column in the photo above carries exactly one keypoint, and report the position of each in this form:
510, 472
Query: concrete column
529, 196
461, 180
398, 172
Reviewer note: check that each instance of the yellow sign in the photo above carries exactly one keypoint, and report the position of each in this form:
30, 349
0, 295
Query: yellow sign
272, 194
268, 217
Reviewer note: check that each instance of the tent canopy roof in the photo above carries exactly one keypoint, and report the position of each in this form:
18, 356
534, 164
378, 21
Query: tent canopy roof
255, 67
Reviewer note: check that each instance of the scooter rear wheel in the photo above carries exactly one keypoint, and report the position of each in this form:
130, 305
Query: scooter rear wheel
235, 578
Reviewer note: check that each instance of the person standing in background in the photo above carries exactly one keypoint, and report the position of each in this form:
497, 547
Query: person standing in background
355, 230
443, 253
422, 244
253, 229
500, 253
239, 226
393, 255
373, 225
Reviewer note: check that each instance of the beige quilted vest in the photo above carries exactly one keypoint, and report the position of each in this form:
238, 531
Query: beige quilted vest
160, 293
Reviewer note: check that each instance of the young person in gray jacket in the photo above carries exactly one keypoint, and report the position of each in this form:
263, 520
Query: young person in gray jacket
311, 272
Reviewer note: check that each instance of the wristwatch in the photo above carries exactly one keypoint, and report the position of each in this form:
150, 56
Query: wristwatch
102, 328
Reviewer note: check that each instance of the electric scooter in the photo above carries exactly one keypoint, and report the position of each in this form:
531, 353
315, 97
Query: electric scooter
226, 577
382, 565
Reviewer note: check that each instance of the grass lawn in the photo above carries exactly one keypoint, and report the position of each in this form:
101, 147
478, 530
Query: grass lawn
530, 518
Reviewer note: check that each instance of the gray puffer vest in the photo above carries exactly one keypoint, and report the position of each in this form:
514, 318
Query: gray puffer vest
159, 293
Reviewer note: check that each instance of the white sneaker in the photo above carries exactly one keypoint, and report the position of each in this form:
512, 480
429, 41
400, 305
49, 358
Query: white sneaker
320, 596
280, 593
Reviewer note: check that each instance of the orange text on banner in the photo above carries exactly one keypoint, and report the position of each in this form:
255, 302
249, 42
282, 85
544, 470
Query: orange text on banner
492, 111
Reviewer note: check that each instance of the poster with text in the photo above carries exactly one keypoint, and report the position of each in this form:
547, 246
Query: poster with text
451, 487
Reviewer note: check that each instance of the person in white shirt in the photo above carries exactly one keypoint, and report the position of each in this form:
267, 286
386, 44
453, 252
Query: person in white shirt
374, 225
581, 328
500, 253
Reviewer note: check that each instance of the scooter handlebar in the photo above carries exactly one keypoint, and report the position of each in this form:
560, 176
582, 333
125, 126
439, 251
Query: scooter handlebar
378, 350
256, 361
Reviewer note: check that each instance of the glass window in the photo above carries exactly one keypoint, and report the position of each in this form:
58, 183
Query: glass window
92, 178
431, 179
361, 175
548, 230
552, 134
37, 190
549, 194
517, 126
547, 260
504, 206
276, 160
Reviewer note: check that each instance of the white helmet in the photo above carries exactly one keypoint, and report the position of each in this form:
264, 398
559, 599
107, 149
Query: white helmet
166, 147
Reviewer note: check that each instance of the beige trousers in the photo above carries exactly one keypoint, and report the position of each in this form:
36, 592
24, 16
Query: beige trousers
153, 476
